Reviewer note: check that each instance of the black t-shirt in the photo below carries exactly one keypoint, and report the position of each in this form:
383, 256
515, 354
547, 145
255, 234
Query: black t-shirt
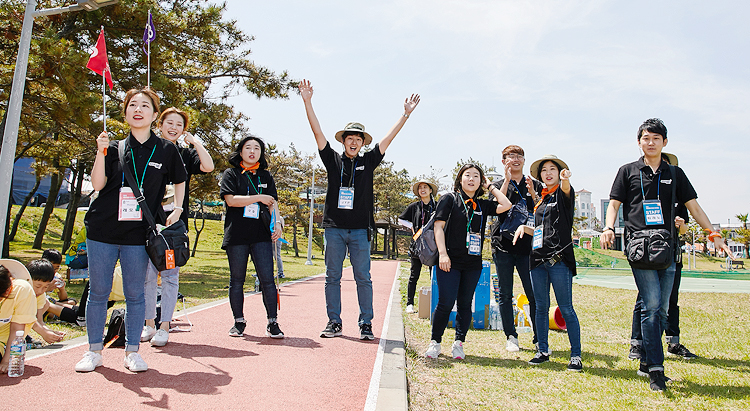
160, 161
192, 166
454, 213
418, 213
339, 168
238, 229
627, 189
556, 213
516, 193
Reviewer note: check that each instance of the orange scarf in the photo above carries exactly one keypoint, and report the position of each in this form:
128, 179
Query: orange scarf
251, 169
545, 191
473, 204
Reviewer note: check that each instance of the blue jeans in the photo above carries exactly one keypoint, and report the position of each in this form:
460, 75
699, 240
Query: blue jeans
134, 262
560, 277
262, 254
654, 288
170, 287
504, 264
337, 241
454, 287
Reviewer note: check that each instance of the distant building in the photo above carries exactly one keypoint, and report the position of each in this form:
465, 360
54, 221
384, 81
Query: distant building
585, 208
619, 224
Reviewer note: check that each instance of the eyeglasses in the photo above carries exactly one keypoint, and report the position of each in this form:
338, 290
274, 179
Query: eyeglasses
514, 156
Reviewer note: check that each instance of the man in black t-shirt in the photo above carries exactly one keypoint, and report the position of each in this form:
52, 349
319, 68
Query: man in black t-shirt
645, 187
348, 212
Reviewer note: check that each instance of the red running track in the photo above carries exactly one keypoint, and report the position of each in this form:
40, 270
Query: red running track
206, 369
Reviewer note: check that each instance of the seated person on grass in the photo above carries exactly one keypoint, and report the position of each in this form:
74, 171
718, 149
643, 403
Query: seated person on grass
76, 314
58, 284
16, 305
42, 275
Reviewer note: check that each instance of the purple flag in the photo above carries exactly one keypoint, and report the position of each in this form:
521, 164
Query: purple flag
149, 34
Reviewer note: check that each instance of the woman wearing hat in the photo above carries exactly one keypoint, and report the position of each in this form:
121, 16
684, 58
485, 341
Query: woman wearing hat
552, 258
415, 216
173, 124
17, 305
460, 220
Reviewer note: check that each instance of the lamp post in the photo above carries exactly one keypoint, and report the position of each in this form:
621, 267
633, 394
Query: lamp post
10, 134
310, 229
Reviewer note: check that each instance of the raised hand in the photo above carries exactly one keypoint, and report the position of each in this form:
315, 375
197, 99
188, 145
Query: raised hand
102, 142
306, 90
565, 174
409, 104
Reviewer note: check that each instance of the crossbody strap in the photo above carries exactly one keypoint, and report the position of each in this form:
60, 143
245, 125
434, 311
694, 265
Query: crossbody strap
134, 186
674, 201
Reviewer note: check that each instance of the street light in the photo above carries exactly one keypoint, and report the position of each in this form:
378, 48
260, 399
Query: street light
13, 118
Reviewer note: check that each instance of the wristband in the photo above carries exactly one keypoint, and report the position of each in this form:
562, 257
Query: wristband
406, 115
178, 208
713, 236
609, 228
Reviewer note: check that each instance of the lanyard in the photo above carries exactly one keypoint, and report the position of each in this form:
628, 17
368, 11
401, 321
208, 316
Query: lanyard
658, 185
132, 156
253, 184
351, 178
519, 193
423, 213
470, 218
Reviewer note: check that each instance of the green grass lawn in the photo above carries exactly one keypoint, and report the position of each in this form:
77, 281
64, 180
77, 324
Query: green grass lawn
715, 326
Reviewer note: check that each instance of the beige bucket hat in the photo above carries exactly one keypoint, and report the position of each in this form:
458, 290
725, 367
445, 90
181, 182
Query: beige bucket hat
415, 187
534, 169
354, 127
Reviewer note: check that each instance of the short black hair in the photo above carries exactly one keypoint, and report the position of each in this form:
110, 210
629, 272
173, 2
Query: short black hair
52, 256
6, 281
457, 183
41, 270
353, 133
235, 157
653, 125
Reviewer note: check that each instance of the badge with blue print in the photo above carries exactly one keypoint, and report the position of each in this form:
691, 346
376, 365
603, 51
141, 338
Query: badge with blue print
538, 238
252, 211
346, 198
474, 243
652, 212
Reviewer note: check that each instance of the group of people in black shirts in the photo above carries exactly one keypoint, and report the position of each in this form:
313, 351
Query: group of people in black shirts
539, 246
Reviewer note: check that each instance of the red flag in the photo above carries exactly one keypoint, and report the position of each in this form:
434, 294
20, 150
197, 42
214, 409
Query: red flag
98, 61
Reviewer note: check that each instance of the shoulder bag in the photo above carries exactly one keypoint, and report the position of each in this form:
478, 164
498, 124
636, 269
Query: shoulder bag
425, 246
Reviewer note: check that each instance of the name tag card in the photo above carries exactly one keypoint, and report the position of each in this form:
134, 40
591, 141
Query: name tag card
653, 213
252, 211
129, 210
474, 242
538, 237
346, 198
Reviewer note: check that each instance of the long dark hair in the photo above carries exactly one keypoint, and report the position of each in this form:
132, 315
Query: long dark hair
6, 282
457, 183
235, 157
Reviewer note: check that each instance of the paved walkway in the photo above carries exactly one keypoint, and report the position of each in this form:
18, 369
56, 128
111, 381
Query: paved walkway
206, 369
687, 284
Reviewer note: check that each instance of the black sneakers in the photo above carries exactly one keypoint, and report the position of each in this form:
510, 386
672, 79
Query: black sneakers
636, 352
658, 380
681, 351
575, 364
365, 332
273, 330
643, 372
238, 329
332, 330
539, 358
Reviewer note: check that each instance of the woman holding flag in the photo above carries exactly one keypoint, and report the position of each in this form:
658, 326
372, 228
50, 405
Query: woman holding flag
250, 228
116, 229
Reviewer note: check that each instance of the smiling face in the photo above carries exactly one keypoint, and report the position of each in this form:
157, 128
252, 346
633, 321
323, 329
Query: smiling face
471, 181
172, 127
651, 144
516, 162
550, 174
424, 191
352, 144
139, 112
251, 152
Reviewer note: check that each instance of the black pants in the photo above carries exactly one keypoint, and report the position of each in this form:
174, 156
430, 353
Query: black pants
416, 269
673, 313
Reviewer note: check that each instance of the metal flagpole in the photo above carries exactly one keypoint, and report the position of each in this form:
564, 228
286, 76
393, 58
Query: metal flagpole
104, 95
148, 54
310, 229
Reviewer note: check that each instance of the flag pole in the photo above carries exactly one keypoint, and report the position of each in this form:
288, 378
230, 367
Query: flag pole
104, 95
148, 55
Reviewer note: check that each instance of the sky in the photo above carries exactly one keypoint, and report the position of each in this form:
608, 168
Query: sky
570, 78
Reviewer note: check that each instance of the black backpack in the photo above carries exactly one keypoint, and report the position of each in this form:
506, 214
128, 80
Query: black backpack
116, 329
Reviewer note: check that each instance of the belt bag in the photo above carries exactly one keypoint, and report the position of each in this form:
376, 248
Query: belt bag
158, 242
650, 249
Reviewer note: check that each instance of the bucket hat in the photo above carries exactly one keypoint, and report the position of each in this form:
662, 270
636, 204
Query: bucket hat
16, 268
415, 187
534, 169
354, 127
672, 158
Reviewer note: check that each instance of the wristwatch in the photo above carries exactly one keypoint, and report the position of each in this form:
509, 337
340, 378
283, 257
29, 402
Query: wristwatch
609, 228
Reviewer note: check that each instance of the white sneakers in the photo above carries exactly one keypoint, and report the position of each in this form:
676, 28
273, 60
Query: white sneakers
135, 363
89, 362
458, 350
147, 333
410, 309
160, 339
512, 344
433, 350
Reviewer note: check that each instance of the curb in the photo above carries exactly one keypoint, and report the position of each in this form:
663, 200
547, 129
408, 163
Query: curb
392, 392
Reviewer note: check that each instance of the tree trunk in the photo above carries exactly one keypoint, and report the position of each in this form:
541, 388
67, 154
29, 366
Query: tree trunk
53, 191
294, 238
25, 203
70, 217
198, 231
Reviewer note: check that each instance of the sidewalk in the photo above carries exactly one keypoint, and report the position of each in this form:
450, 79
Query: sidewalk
207, 369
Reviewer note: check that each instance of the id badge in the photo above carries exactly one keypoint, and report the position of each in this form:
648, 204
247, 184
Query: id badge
530, 221
538, 237
129, 208
346, 198
652, 212
474, 242
252, 211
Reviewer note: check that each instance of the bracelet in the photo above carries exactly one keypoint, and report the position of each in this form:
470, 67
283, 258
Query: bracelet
609, 228
406, 115
713, 235
179, 208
